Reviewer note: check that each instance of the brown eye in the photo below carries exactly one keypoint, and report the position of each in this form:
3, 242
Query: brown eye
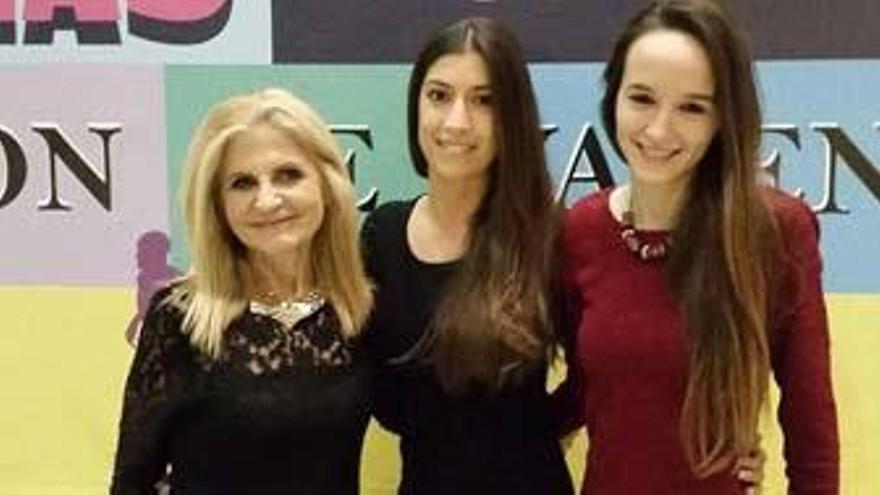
483, 100
288, 175
694, 109
242, 182
641, 98
437, 95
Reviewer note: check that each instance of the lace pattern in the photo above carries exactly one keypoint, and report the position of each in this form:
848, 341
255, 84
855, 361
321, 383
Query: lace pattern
255, 342
175, 394
268, 345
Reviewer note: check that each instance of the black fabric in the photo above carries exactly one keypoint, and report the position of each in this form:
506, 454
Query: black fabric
482, 444
282, 410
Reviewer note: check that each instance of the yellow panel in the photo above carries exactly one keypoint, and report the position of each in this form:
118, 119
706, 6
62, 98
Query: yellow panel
63, 364
855, 343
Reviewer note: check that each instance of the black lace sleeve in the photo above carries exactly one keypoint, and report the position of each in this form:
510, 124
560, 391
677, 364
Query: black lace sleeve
153, 393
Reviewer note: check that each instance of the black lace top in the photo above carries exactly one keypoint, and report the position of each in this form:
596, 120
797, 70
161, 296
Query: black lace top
283, 410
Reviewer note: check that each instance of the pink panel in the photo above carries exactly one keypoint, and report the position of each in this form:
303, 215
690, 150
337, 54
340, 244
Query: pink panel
86, 10
7, 10
191, 10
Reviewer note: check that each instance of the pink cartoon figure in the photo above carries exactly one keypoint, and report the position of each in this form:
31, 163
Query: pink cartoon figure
153, 273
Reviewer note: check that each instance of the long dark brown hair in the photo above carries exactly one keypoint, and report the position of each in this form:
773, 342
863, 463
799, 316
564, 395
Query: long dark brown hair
723, 243
493, 316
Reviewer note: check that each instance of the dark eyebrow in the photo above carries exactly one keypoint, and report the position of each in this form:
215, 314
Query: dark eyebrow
288, 164
436, 82
445, 85
708, 98
236, 174
639, 87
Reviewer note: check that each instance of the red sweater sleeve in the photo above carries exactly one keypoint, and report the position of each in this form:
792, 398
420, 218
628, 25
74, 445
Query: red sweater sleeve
801, 357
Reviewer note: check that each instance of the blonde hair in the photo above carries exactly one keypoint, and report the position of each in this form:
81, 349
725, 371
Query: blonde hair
211, 293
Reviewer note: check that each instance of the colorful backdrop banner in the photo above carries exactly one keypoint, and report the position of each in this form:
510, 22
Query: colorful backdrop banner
100, 98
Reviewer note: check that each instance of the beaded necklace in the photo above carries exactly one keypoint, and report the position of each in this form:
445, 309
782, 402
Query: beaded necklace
645, 250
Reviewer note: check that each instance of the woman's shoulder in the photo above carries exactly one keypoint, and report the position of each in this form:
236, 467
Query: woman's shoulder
588, 213
391, 212
587, 225
794, 218
167, 309
162, 335
171, 298
383, 233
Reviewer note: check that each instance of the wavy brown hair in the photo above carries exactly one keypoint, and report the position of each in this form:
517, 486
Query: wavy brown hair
724, 240
493, 318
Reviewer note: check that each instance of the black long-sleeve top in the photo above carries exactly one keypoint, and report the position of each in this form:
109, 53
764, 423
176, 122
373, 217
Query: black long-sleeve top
283, 410
498, 443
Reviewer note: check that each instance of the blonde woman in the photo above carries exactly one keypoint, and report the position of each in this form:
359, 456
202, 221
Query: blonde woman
247, 378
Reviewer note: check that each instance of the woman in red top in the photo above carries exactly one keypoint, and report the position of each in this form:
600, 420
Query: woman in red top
692, 282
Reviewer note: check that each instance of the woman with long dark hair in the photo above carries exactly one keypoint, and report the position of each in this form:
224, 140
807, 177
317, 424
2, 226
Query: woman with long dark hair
461, 331
692, 282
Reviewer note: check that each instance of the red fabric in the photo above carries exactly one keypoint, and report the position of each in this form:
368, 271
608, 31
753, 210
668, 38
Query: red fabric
628, 372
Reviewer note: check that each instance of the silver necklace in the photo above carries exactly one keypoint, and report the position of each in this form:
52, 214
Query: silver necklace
289, 312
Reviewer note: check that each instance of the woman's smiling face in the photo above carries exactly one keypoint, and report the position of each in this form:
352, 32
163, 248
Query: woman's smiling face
456, 121
271, 192
665, 108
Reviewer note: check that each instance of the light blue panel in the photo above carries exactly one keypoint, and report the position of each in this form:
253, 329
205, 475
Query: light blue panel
795, 93
846, 93
568, 97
